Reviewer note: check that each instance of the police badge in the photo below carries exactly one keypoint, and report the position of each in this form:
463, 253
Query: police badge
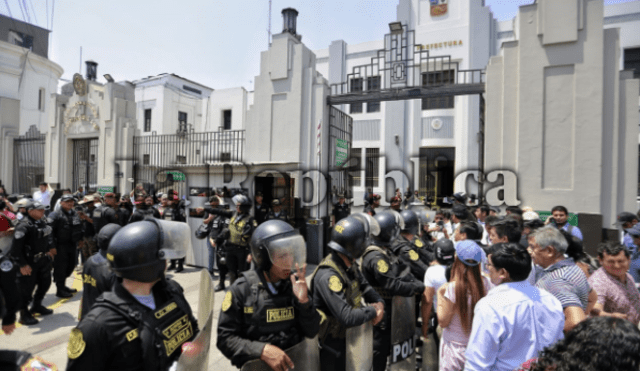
439, 7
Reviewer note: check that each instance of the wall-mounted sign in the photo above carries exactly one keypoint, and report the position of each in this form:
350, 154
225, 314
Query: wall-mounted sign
104, 190
342, 148
440, 45
177, 176
439, 7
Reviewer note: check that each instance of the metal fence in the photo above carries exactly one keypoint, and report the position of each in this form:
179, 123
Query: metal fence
157, 155
340, 139
28, 160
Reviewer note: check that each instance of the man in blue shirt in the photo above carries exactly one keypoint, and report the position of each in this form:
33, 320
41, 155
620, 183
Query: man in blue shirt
560, 216
631, 241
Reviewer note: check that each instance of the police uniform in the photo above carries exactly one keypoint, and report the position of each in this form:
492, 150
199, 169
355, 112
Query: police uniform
237, 235
67, 228
425, 250
389, 276
216, 228
32, 241
282, 215
337, 294
175, 213
142, 213
408, 253
121, 334
261, 211
97, 278
253, 315
10, 298
103, 215
340, 211
124, 214
89, 243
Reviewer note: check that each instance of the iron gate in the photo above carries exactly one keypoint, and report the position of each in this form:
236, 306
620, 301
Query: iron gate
85, 164
340, 129
28, 160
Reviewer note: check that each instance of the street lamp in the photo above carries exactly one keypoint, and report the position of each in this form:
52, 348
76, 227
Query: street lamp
395, 27
108, 77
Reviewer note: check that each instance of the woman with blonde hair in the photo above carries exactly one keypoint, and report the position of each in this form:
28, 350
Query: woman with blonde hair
456, 303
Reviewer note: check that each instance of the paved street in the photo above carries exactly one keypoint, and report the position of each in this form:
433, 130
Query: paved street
48, 339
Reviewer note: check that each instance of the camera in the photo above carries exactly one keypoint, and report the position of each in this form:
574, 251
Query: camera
440, 223
552, 220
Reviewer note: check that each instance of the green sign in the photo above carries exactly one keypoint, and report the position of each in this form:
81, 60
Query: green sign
573, 218
342, 149
104, 190
177, 176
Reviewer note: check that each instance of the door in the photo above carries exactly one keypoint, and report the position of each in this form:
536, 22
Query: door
85, 164
437, 173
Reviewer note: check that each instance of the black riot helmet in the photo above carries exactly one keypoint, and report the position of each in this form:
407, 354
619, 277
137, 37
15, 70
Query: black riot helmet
276, 242
445, 251
411, 222
106, 234
244, 202
139, 250
351, 235
391, 223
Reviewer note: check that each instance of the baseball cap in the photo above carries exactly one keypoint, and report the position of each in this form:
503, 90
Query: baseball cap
258, 194
395, 199
23, 202
275, 202
460, 196
625, 217
469, 252
110, 194
530, 215
635, 230
66, 198
35, 205
444, 250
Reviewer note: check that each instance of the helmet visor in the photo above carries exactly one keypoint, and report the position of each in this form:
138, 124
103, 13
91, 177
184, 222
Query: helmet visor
399, 218
371, 225
286, 252
176, 239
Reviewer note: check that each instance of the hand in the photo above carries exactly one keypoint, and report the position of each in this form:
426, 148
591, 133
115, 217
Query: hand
299, 284
208, 220
26, 270
199, 209
276, 358
53, 252
8, 329
249, 258
379, 313
425, 329
619, 315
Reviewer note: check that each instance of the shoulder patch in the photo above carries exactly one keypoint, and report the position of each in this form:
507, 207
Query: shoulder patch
226, 303
413, 255
255, 224
19, 234
76, 345
335, 284
382, 266
132, 335
418, 243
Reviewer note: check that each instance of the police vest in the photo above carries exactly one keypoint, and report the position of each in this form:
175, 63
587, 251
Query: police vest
397, 269
216, 225
236, 228
353, 294
98, 220
271, 317
162, 331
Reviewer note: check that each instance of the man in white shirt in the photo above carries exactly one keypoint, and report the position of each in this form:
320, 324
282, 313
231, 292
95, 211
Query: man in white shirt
515, 320
44, 194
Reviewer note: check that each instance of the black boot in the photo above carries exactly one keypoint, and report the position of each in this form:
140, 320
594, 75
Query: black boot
26, 318
71, 290
220, 286
180, 267
63, 293
172, 266
38, 308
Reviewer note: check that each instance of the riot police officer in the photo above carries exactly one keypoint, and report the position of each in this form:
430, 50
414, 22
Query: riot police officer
97, 276
276, 212
9, 292
216, 223
67, 232
406, 247
143, 323
389, 276
267, 310
33, 250
237, 235
261, 209
338, 287
143, 211
175, 213
106, 213
340, 210
373, 204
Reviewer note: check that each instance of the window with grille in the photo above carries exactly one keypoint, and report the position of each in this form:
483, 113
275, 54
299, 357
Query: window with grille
145, 159
355, 175
226, 118
373, 84
225, 157
21, 39
147, 120
356, 86
182, 121
182, 160
372, 168
436, 78
41, 99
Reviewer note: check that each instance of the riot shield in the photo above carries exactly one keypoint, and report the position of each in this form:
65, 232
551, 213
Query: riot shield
403, 329
304, 355
359, 342
5, 244
195, 355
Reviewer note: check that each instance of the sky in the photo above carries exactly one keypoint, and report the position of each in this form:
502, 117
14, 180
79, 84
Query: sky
212, 42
